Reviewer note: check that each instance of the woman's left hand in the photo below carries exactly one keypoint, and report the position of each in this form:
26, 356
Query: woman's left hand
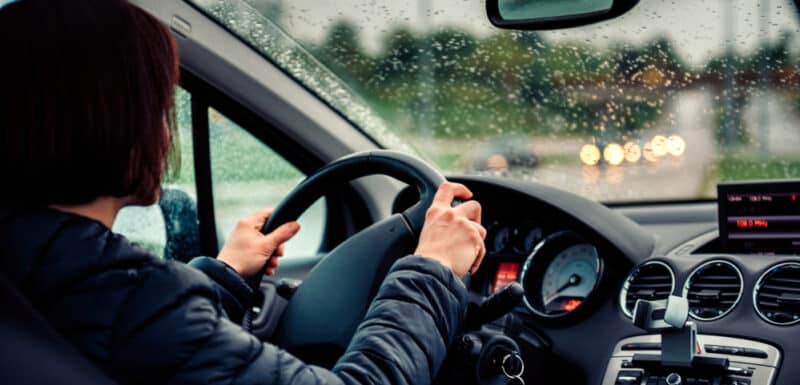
247, 250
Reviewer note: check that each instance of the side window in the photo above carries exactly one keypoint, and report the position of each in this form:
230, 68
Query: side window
248, 175
169, 229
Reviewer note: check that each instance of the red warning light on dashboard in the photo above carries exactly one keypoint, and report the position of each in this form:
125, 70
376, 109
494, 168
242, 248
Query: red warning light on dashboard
571, 305
507, 272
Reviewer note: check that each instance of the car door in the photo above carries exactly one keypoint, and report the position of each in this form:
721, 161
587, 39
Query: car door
232, 84
226, 163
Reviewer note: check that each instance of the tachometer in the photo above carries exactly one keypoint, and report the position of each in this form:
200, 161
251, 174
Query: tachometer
498, 238
527, 236
561, 274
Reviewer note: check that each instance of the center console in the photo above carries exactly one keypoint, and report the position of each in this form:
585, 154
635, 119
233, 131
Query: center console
679, 355
752, 261
636, 361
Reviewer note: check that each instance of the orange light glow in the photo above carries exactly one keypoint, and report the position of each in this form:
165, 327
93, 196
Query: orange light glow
507, 272
497, 162
571, 305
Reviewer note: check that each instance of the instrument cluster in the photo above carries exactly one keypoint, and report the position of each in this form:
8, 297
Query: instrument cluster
513, 238
559, 270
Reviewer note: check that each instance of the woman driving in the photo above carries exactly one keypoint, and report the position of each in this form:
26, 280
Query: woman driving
86, 106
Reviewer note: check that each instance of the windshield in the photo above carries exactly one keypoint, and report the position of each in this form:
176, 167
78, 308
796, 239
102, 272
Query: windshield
659, 104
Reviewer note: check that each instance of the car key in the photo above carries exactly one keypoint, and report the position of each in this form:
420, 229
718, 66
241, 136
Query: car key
513, 367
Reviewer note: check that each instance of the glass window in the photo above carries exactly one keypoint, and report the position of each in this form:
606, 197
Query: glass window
661, 103
154, 227
247, 175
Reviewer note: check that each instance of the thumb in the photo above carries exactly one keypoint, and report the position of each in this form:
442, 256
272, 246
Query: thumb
282, 234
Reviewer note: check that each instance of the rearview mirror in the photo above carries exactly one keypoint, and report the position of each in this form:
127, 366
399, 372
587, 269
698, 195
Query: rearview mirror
553, 14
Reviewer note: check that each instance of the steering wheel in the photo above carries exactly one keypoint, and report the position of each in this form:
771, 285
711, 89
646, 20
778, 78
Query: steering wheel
326, 309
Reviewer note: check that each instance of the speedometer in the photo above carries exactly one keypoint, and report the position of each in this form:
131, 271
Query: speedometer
570, 278
561, 274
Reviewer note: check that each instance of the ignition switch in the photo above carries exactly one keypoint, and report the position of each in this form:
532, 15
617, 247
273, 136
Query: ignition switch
500, 363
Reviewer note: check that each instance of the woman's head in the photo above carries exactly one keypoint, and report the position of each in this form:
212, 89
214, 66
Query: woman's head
86, 93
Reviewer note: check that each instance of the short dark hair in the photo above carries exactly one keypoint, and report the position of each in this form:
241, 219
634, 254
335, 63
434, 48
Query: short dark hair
86, 99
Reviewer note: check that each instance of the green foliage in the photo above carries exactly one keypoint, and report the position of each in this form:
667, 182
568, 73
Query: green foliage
450, 83
735, 168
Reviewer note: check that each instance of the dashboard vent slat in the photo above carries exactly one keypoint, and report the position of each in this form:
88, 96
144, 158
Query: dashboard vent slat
650, 281
776, 296
782, 288
793, 282
655, 286
713, 290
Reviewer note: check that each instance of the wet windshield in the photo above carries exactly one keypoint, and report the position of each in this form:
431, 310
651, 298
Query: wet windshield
659, 104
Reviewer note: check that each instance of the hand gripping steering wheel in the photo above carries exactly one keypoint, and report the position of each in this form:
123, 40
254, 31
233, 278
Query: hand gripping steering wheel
327, 308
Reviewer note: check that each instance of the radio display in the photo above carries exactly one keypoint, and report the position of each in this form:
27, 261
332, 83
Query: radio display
760, 216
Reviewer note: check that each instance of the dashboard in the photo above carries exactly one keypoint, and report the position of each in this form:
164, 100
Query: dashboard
584, 266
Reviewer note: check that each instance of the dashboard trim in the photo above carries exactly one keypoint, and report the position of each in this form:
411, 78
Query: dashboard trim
632, 240
765, 369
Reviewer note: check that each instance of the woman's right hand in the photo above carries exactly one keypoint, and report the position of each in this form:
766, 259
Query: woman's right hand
453, 236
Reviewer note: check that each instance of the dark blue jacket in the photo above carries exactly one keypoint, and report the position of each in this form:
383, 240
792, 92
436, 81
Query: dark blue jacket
146, 321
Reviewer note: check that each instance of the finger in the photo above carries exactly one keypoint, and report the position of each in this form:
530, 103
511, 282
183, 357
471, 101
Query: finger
471, 210
281, 250
282, 234
447, 191
270, 271
477, 264
273, 262
481, 253
481, 230
258, 218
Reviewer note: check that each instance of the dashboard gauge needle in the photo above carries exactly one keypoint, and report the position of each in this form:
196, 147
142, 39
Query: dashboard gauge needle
574, 280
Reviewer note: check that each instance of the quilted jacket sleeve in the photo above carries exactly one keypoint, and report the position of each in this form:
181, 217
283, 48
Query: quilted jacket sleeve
402, 340
235, 294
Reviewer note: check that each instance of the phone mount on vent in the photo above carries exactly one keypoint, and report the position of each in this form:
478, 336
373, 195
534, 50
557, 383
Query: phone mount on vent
669, 318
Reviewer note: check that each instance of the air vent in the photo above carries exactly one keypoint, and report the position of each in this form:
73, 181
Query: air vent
713, 290
777, 294
650, 281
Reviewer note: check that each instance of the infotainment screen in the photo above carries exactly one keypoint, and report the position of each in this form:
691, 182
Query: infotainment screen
760, 216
